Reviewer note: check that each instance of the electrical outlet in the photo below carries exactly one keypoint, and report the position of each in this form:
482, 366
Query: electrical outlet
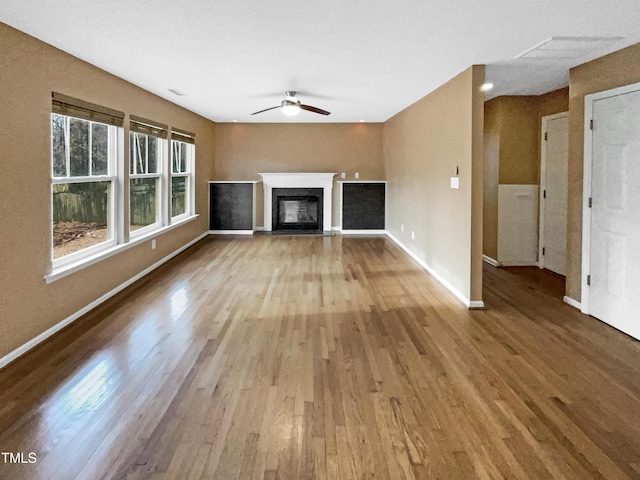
357, 174
413, 235
402, 227
153, 244
343, 175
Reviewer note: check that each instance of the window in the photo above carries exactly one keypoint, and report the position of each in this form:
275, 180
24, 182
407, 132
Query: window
146, 159
182, 154
83, 183
89, 170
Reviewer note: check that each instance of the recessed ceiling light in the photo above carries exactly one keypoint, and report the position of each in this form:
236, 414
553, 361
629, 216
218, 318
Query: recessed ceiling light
235, 121
177, 92
362, 120
486, 87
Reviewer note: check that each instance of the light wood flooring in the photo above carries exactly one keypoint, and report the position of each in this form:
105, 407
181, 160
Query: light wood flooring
283, 357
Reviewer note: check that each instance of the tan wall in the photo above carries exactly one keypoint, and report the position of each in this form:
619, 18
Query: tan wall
29, 71
614, 70
512, 142
492, 127
553, 102
519, 162
422, 145
246, 149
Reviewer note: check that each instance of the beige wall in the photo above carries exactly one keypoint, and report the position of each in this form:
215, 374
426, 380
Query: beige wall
614, 70
29, 71
553, 102
246, 149
492, 127
422, 145
512, 129
519, 162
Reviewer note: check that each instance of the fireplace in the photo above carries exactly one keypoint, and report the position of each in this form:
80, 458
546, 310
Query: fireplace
297, 209
312, 192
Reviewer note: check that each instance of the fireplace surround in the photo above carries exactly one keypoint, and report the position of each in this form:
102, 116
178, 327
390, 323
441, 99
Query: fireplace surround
304, 191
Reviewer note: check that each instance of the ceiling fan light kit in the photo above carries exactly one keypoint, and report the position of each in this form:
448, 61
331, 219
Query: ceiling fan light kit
292, 106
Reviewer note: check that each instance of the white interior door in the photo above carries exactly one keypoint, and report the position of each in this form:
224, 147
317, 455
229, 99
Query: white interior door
613, 289
553, 201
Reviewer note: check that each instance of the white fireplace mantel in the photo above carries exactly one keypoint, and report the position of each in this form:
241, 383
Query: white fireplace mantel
298, 180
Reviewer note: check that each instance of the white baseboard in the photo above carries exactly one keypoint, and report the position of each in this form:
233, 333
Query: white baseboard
230, 232
517, 263
491, 261
572, 302
18, 352
363, 232
259, 229
474, 304
468, 303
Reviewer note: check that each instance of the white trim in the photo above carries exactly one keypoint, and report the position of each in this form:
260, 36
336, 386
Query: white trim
234, 181
572, 302
543, 181
84, 262
491, 261
322, 180
586, 183
260, 229
518, 263
363, 232
361, 181
18, 352
254, 192
230, 232
518, 224
341, 201
586, 193
468, 303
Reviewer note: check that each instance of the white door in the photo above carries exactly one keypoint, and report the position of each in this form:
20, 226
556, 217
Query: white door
614, 263
553, 201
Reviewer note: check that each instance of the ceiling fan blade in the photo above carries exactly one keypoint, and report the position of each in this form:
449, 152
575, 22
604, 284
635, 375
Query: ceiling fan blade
309, 108
265, 110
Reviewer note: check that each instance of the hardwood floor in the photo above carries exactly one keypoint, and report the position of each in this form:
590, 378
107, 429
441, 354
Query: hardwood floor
280, 357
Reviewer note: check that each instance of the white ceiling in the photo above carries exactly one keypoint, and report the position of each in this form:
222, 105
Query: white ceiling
359, 59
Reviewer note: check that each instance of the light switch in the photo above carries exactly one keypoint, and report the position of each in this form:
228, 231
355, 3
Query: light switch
455, 182
343, 175
357, 174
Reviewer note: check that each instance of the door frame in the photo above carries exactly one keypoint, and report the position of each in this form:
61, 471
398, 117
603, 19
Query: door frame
543, 181
589, 100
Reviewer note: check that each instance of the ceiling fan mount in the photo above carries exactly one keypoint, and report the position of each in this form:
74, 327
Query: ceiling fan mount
292, 106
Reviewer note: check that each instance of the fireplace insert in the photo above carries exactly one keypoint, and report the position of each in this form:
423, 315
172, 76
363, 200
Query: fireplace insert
297, 209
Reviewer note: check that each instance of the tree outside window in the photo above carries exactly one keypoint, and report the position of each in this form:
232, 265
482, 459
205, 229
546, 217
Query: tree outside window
82, 184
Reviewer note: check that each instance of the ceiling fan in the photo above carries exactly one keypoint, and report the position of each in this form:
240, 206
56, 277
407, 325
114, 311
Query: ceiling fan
292, 106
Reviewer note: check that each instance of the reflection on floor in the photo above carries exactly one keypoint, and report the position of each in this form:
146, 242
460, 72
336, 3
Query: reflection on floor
306, 357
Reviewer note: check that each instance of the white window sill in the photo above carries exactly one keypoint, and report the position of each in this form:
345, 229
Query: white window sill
68, 269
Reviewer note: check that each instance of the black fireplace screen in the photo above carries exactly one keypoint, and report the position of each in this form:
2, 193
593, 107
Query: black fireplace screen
297, 209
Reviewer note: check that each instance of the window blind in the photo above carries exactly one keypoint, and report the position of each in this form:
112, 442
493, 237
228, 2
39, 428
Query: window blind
73, 107
148, 127
183, 136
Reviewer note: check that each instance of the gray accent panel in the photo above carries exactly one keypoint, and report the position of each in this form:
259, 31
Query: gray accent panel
231, 206
363, 206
